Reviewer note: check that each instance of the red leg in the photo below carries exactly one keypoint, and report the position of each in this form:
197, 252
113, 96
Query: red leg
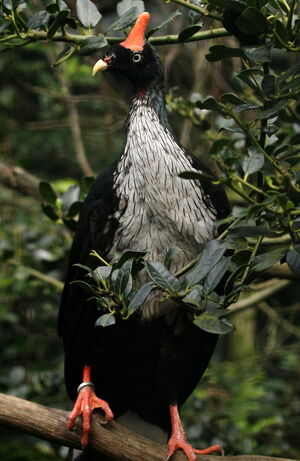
86, 402
178, 439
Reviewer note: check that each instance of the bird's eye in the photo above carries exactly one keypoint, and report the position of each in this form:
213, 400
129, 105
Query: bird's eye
137, 57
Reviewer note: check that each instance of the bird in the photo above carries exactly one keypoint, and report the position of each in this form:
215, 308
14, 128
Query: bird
140, 370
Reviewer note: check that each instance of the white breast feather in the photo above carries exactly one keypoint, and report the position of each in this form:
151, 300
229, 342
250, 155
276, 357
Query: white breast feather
157, 209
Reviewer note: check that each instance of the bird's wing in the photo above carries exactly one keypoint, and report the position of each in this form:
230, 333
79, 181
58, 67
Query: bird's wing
96, 228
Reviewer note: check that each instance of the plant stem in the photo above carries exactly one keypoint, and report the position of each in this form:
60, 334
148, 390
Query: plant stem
247, 184
198, 9
253, 254
37, 35
290, 17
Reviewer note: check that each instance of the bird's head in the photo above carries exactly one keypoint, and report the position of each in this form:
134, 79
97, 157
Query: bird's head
134, 57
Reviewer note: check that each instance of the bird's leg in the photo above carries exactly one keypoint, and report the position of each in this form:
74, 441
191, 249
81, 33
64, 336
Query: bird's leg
178, 439
86, 402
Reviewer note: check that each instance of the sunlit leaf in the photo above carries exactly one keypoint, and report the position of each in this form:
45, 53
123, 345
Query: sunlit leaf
87, 13
105, 320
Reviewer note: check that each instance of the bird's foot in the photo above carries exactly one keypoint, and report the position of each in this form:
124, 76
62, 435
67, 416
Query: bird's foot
175, 444
86, 402
178, 440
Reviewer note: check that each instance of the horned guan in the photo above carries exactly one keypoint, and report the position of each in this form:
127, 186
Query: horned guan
145, 367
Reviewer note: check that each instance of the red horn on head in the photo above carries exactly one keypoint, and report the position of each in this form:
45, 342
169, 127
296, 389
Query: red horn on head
136, 39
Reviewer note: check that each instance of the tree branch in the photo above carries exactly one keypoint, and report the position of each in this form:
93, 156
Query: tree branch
110, 439
37, 35
273, 287
20, 180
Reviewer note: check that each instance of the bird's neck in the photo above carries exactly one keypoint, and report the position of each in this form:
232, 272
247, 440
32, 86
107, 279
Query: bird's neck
151, 96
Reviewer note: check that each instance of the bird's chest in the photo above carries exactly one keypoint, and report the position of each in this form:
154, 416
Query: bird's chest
157, 209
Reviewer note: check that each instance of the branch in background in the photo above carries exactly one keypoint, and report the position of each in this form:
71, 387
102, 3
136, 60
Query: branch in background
280, 320
279, 271
57, 284
110, 439
79, 148
272, 287
20, 180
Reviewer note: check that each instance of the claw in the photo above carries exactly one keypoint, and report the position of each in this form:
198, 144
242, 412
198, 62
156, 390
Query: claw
178, 440
86, 402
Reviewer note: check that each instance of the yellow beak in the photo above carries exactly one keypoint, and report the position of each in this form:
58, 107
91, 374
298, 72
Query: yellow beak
99, 66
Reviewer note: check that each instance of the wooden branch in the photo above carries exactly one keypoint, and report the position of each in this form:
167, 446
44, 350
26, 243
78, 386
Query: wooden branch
110, 439
20, 180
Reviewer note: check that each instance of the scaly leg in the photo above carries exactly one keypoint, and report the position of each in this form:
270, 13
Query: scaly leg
178, 439
86, 402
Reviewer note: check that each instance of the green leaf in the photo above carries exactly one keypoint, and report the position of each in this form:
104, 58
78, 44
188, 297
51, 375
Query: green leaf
140, 297
185, 34
82, 266
74, 209
125, 20
39, 20
195, 175
218, 145
163, 24
170, 256
120, 259
194, 297
268, 259
219, 52
92, 44
58, 22
123, 282
211, 254
101, 273
65, 54
252, 22
47, 192
274, 110
210, 104
86, 286
215, 274
87, 13
54, 7
105, 320
254, 162
252, 231
293, 260
50, 212
212, 324
232, 99
162, 277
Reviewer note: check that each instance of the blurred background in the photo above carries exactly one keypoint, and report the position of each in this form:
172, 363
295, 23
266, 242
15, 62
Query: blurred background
61, 125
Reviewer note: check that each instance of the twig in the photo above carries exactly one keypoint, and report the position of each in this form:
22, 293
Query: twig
110, 439
198, 9
39, 275
274, 287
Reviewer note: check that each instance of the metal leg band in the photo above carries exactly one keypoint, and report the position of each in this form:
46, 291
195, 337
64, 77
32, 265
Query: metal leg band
84, 384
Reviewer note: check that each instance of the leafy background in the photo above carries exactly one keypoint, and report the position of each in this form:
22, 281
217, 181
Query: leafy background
233, 99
